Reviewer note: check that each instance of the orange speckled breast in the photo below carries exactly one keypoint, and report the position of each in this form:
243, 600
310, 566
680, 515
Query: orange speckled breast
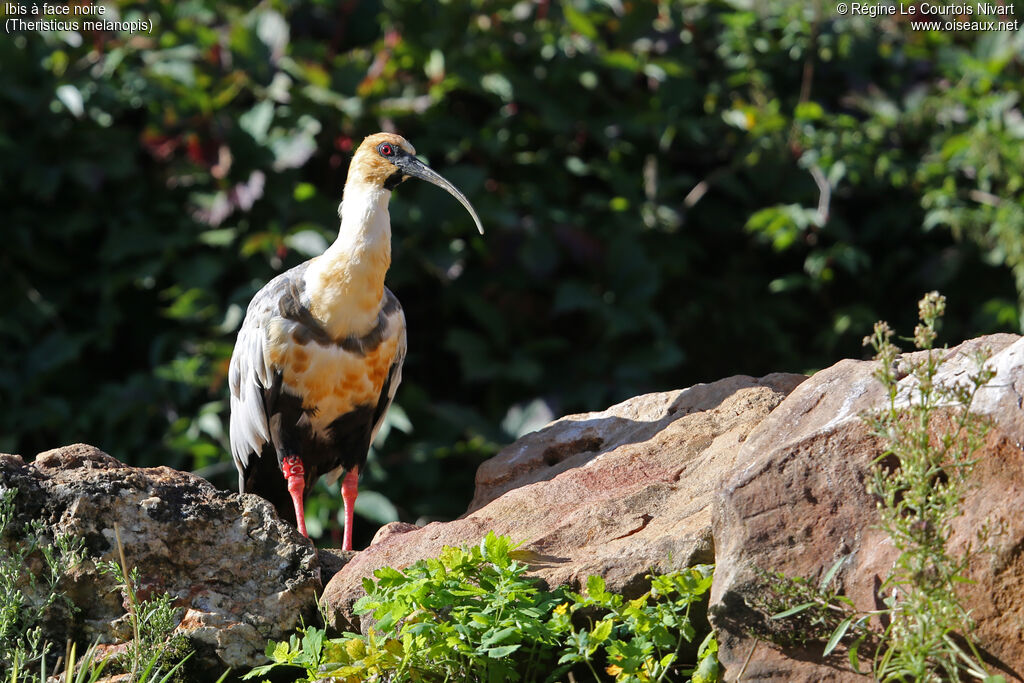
331, 380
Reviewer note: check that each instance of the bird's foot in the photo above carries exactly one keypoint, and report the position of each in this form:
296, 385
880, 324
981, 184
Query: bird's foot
295, 474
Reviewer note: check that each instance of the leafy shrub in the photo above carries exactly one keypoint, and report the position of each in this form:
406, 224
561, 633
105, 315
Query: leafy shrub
473, 615
920, 498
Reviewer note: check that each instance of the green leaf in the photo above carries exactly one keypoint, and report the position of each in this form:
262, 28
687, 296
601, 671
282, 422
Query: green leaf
810, 111
388, 574
708, 646
256, 671
71, 98
707, 670
175, 64
738, 118
256, 121
830, 574
304, 191
434, 67
312, 643
852, 654
578, 20
277, 651
497, 84
837, 636
793, 610
218, 238
503, 651
272, 29
601, 632
494, 637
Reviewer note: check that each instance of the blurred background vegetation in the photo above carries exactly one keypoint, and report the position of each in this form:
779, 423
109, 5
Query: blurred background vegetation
674, 192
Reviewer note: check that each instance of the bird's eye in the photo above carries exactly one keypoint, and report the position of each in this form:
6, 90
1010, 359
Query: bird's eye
386, 150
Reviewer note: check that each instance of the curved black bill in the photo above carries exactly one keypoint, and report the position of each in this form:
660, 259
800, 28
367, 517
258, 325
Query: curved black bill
410, 165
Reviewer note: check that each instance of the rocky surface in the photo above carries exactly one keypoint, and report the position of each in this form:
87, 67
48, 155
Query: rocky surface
615, 493
239, 574
798, 503
749, 473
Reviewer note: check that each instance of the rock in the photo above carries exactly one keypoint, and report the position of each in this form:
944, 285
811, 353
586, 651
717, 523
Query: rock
750, 473
616, 493
799, 503
240, 575
332, 560
390, 529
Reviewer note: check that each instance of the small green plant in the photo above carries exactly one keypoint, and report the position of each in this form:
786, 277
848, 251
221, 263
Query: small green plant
641, 638
472, 614
931, 436
152, 623
27, 598
808, 612
919, 497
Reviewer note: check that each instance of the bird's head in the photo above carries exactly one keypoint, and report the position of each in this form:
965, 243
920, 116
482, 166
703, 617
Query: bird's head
386, 159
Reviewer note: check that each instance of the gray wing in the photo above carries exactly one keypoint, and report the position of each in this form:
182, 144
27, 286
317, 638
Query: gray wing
251, 376
393, 380
387, 395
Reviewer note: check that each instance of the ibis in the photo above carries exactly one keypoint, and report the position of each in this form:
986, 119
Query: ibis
319, 354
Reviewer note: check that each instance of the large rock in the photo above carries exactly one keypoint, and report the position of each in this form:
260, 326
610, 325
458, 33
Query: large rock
240, 575
799, 503
616, 493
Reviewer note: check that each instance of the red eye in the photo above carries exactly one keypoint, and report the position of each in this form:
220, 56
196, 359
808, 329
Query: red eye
386, 150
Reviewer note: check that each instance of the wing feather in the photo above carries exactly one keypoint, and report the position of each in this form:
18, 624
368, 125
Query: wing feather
248, 377
251, 376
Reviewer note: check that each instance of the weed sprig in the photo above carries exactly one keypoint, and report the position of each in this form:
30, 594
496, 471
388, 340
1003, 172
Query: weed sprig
931, 436
28, 598
152, 620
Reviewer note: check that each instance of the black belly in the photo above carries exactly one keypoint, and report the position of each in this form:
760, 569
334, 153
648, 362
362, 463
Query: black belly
344, 444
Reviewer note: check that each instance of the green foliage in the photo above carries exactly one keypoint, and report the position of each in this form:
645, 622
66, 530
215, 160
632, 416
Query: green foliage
32, 567
27, 597
667, 187
920, 497
153, 651
473, 614
920, 479
806, 612
641, 638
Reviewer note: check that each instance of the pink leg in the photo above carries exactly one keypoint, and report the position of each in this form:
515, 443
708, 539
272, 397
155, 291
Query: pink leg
349, 491
295, 475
